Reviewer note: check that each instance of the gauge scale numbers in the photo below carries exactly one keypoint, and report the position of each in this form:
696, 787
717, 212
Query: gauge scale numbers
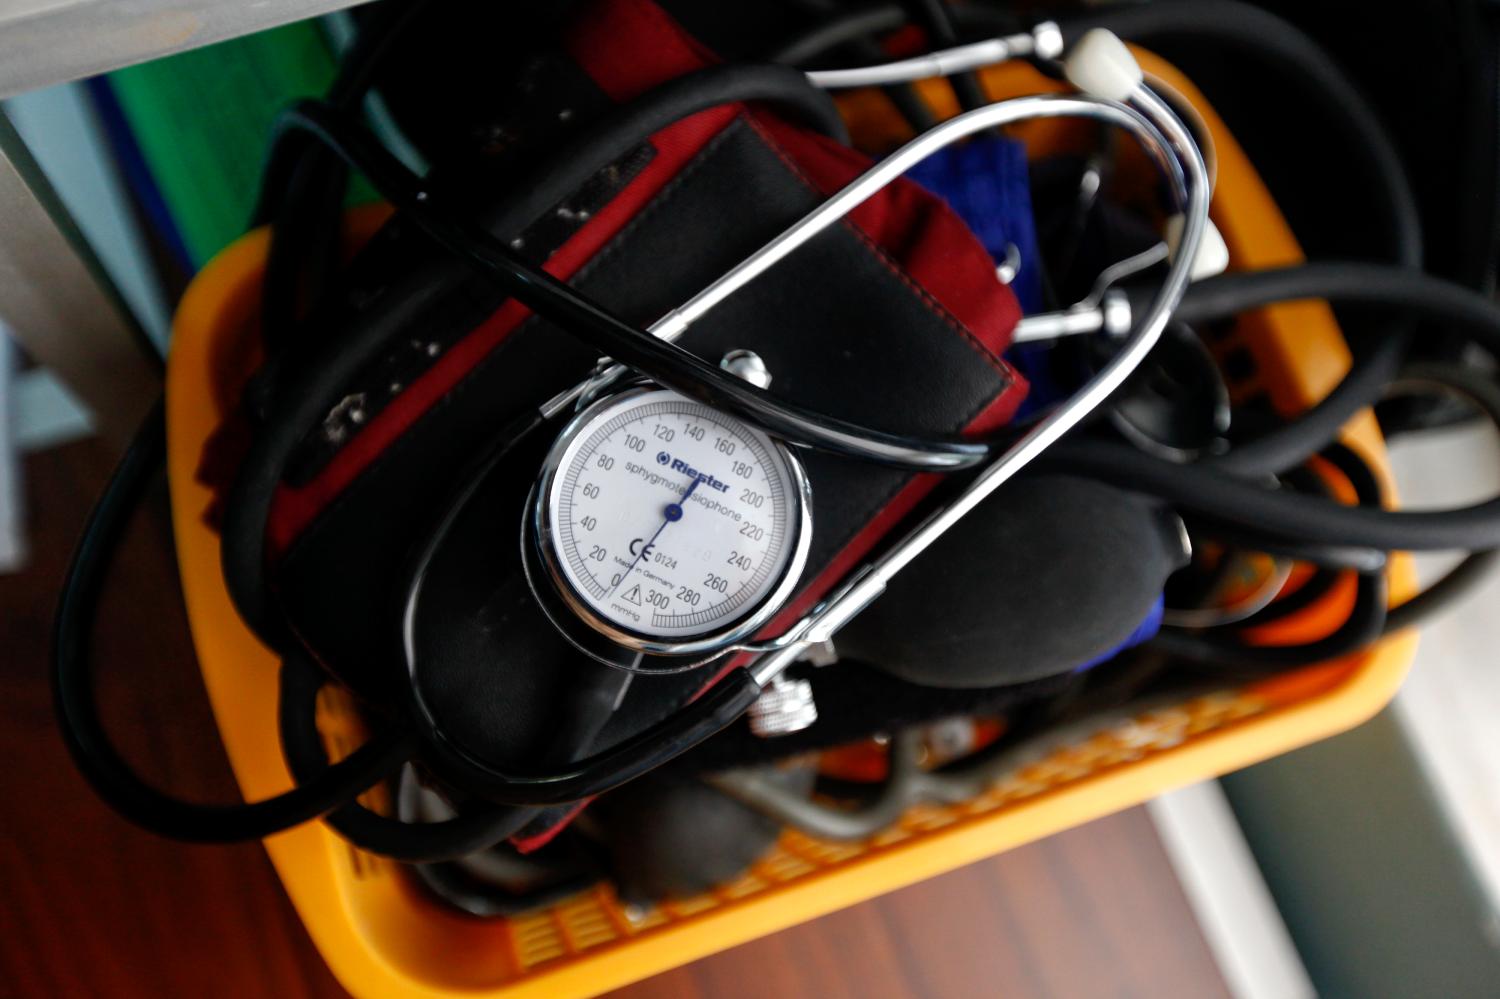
671, 520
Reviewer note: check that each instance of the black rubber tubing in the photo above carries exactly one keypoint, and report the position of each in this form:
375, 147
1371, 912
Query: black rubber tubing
408, 842
77, 709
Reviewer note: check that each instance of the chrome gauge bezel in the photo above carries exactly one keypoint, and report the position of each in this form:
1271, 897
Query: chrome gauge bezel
583, 626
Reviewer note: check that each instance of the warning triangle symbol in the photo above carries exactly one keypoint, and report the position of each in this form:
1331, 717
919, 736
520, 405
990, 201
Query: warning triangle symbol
634, 594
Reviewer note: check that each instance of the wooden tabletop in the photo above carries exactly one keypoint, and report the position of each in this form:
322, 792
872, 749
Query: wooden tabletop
90, 906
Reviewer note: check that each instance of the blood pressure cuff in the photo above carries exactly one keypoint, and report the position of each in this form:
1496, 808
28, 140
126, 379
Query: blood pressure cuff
892, 319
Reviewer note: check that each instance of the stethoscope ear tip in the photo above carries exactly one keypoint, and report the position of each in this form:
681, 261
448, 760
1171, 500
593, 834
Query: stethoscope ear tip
1100, 64
1212, 255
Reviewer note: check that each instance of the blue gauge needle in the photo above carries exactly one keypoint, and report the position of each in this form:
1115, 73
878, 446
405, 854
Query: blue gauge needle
672, 513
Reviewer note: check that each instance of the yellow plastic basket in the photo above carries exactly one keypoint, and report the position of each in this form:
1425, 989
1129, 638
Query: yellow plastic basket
382, 937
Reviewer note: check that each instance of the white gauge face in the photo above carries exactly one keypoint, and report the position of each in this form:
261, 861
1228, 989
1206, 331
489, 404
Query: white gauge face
671, 520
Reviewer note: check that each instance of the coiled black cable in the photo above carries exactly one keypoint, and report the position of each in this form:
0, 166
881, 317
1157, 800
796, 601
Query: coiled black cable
1472, 385
1364, 625
1393, 288
77, 710
409, 842
1210, 492
1226, 498
1297, 440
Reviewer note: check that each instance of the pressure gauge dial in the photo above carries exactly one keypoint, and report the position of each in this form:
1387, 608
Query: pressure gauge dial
666, 527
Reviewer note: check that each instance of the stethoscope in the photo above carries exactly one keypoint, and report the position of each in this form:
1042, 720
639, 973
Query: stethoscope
640, 430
